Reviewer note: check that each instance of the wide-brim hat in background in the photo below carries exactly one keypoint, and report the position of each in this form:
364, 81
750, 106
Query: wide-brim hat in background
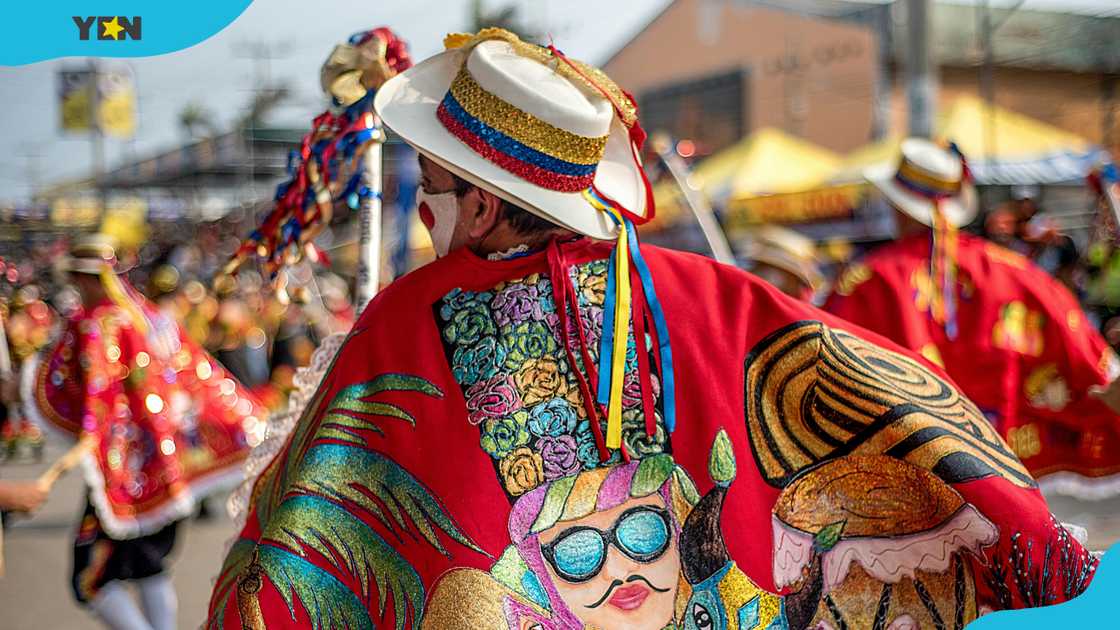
927, 177
784, 249
91, 254
525, 123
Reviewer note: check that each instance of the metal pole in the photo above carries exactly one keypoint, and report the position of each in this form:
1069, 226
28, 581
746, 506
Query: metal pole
713, 233
987, 81
922, 87
369, 223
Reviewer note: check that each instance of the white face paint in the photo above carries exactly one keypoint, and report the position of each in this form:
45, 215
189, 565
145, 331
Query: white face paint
439, 214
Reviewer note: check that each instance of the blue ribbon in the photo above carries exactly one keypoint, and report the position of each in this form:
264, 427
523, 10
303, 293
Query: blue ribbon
606, 339
664, 348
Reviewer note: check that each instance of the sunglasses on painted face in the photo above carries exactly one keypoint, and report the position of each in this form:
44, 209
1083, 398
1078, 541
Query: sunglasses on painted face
578, 554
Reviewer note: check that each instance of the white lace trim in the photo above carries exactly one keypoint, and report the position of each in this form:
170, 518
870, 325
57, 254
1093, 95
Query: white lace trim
280, 425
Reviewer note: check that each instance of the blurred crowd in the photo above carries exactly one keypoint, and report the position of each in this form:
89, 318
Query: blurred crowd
259, 335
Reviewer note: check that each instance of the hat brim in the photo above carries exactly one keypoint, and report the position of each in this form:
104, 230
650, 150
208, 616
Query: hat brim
802, 269
407, 104
959, 210
90, 266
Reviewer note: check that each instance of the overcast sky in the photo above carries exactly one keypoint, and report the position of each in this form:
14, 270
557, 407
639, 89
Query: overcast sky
219, 74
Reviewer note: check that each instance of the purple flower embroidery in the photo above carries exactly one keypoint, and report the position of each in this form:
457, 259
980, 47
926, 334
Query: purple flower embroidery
559, 455
494, 398
517, 303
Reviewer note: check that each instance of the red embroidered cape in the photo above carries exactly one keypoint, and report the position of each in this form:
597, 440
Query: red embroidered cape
446, 447
1025, 353
171, 425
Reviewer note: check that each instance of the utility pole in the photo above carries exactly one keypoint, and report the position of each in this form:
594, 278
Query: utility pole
987, 81
261, 54
920, 68
97, 141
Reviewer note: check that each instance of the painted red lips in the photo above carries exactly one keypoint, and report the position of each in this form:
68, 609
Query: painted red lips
629, 597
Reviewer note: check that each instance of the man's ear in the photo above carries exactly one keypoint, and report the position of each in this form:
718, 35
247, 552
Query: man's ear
486, 215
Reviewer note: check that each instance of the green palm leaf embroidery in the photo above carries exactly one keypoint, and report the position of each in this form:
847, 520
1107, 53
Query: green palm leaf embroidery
332, 490
353, 411
329, 603
380, 486
349, 412
311, 521
239, 557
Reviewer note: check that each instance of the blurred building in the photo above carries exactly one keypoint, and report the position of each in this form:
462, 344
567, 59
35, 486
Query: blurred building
833, 71
713, 71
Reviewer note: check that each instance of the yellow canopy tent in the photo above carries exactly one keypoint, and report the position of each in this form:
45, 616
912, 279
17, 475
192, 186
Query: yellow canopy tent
1002, 147
756, 180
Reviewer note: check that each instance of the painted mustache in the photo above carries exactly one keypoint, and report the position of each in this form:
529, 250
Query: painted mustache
617, 583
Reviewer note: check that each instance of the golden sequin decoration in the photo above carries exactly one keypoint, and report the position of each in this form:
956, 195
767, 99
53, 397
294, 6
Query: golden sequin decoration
855, 275
736, 590
523, 126
585, 75
1025, 440
813, 393
247, 603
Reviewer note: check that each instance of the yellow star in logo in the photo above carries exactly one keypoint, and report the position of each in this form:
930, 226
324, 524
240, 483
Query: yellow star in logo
112, 28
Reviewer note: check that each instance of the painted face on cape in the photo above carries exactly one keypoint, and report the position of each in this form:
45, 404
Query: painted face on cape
618, 568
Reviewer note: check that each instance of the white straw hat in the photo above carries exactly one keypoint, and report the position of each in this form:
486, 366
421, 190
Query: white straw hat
525, 123
927, 175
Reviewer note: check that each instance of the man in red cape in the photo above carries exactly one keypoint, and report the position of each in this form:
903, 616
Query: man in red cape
544, 430
163, 425
1013, 338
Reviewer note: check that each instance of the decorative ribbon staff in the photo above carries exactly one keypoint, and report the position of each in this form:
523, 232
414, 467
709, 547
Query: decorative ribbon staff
339, 161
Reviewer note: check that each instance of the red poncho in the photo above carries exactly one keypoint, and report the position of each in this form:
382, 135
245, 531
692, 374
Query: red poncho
170, 424
447, 473
1025, 353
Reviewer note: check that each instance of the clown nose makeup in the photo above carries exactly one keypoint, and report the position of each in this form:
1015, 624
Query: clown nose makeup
438, 213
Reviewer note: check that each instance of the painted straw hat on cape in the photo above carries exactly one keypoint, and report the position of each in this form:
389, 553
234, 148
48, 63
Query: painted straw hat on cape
548, 133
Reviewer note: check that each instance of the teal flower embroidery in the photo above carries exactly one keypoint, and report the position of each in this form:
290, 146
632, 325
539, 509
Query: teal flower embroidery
554, 418
471, 364
458, 300
502, 436
586, 450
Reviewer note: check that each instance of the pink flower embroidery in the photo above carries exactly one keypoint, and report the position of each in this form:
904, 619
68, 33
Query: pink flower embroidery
493, 398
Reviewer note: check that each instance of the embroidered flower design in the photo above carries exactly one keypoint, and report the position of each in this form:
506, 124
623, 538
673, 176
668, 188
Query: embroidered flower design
586, 450
553, 418
501, 436
517, 303
541, 379
521, 470
560, 455
527, 340
469, 325
638, 442
632, 388
471, 364
492, 398
593, 288
458, 300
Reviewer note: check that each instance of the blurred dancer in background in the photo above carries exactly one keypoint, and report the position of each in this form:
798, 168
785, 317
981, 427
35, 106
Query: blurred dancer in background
162, 423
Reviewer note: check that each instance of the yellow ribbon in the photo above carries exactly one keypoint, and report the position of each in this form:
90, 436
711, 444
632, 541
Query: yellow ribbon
116, 292
621, 322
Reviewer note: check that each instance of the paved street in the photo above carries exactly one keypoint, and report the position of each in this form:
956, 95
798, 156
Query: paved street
35, 594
